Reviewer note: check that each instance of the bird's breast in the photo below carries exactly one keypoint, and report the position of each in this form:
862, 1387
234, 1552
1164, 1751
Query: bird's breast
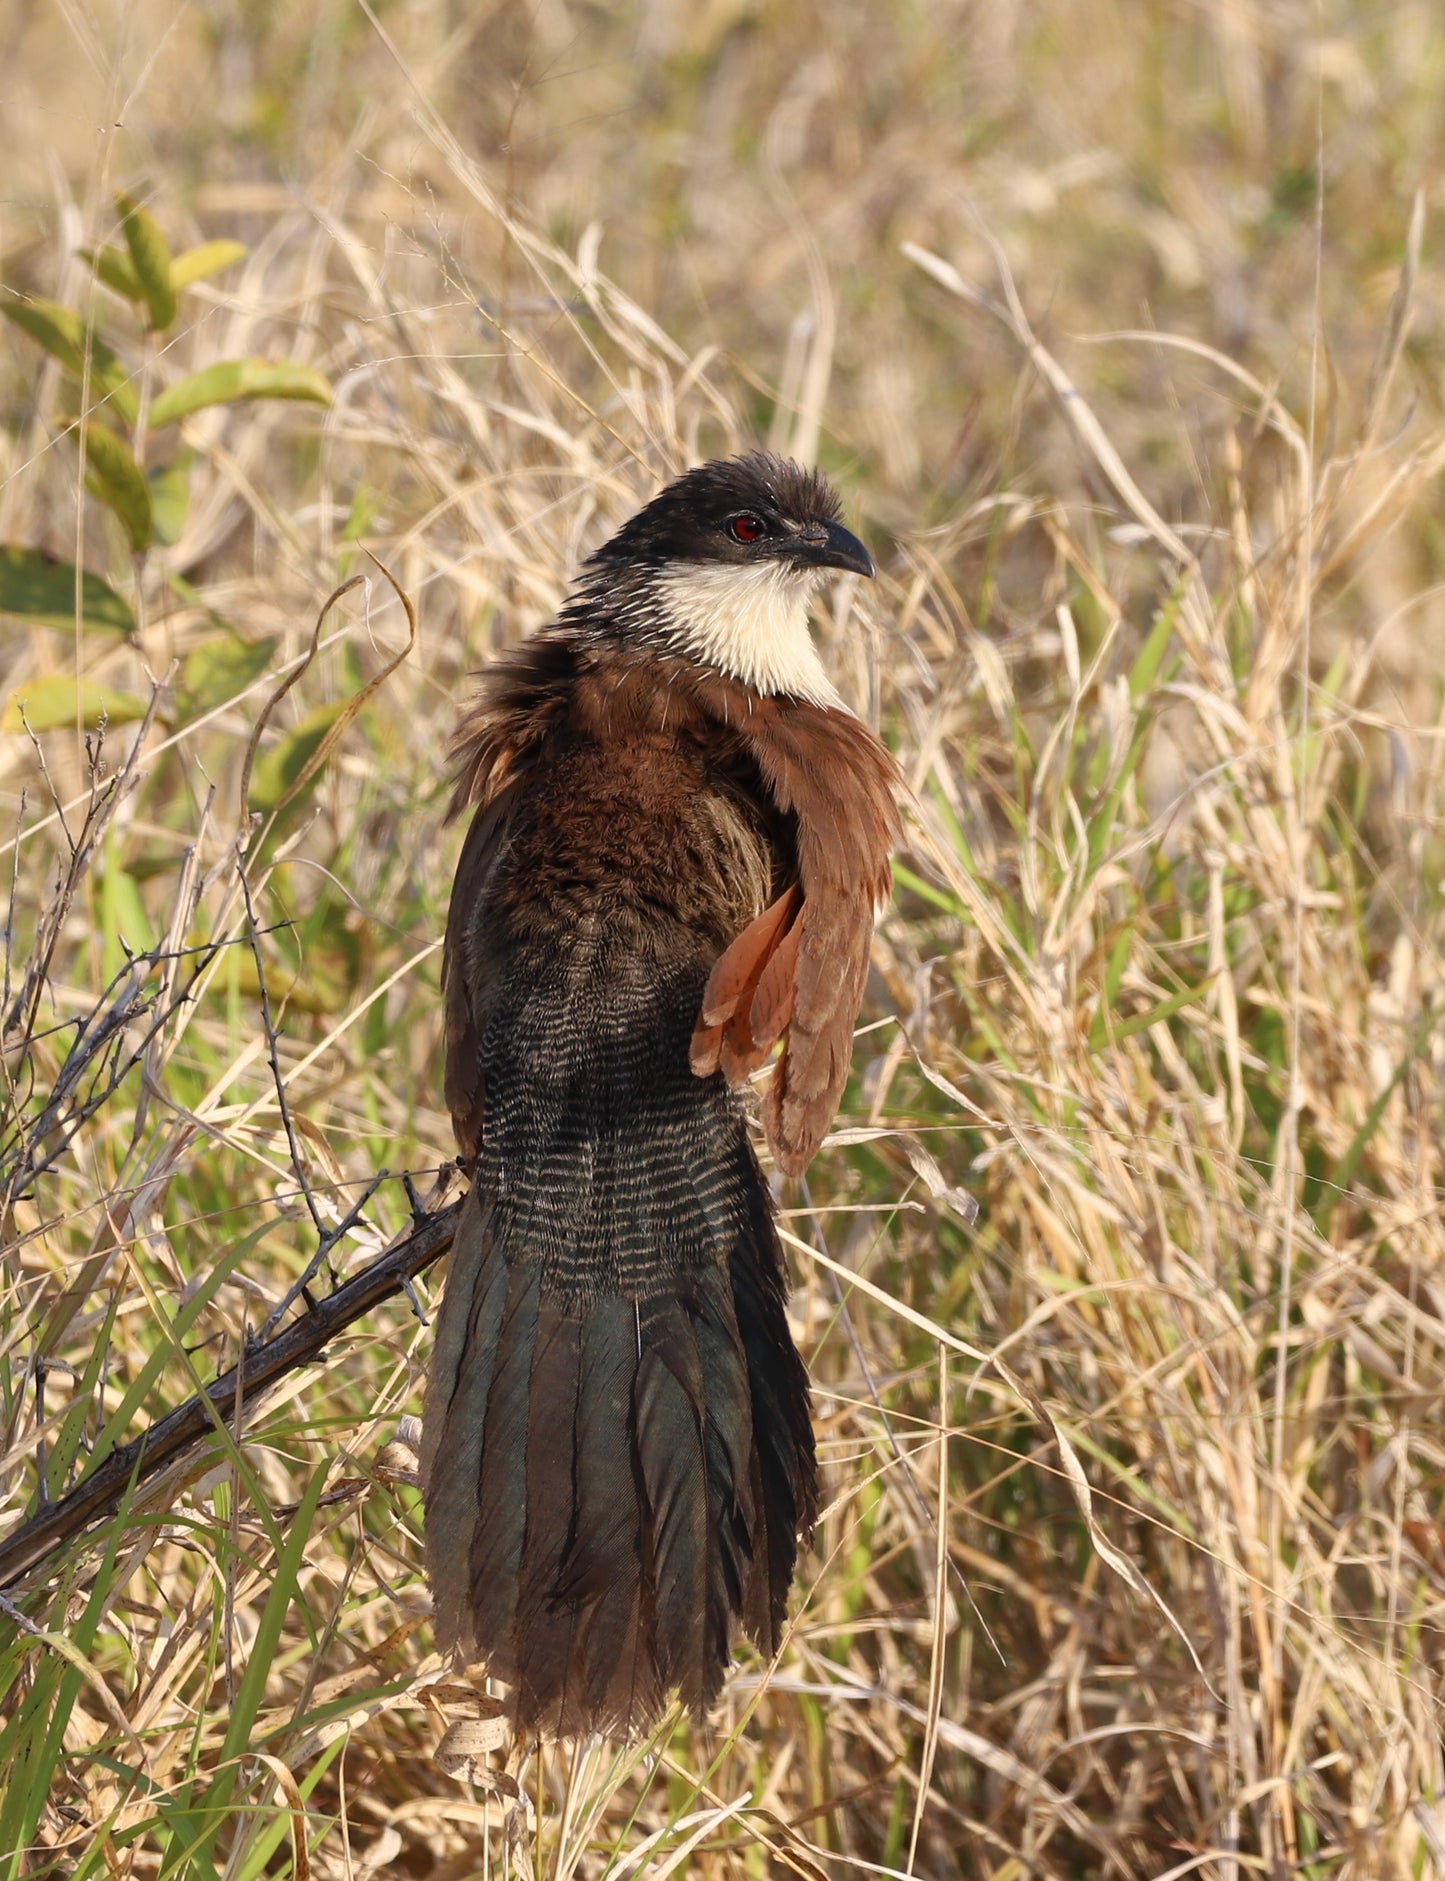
637, 828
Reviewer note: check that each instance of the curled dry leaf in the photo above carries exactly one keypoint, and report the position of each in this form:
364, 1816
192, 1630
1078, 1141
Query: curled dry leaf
461, 1695
465, 1748
399, 1461
471, 1739
933, 1179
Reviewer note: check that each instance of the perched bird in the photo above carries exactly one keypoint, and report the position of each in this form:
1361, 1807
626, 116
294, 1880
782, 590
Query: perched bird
681, 836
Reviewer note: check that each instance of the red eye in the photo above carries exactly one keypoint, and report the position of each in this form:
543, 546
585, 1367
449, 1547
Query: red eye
746, 527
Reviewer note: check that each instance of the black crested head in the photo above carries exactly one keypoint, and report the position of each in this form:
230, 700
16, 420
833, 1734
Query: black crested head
743, 511
718, 568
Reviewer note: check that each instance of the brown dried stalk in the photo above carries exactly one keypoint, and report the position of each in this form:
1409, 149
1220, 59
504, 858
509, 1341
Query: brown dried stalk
227, 1399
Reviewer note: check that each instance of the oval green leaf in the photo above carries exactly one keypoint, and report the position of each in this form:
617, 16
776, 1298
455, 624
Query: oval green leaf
50, 704
114, 268
170, 486
232, 379
117, 479
201, 262
150, 255
61, 331
37, 587
220, 669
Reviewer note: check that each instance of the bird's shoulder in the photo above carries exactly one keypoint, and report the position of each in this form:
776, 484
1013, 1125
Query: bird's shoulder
560, 689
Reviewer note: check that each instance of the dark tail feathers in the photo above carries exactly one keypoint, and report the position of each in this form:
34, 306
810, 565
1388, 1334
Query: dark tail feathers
618, 1454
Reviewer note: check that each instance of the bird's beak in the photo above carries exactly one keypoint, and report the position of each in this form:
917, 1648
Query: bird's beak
830, 545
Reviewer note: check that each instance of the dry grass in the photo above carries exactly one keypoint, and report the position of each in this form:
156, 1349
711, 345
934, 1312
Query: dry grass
1134, 1563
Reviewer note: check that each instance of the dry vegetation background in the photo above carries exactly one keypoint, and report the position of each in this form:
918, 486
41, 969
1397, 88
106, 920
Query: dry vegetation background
1121, 327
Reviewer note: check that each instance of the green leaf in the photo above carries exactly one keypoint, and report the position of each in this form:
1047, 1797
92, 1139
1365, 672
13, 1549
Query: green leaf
279, 770
114, 268
1109, 991
61, 331
1101, 816
232, 379
1145, 670
1166, 1009
150, 256
1334, 679
285, 1588
220, 669
117, 479
50, 704
365, 506
926, 891
270, 1829
37, 587
170, 486
82, 1406
117, 1426
201, 262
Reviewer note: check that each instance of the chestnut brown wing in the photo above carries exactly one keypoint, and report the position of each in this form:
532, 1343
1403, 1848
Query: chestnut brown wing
826, 769
749, 995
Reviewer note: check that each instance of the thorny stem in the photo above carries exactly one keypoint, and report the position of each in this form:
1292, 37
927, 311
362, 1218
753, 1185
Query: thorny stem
227, 1399
274, 1056
329, 1239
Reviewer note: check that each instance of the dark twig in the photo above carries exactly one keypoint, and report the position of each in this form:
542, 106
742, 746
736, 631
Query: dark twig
274, 1057
14, 899
106, 796
99, 1048
227, 1399
329, 1239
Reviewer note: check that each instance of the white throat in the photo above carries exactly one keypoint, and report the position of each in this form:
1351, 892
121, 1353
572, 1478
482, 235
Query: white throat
751, 623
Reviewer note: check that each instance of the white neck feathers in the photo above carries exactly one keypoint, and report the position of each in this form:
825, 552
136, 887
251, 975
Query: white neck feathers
750, 622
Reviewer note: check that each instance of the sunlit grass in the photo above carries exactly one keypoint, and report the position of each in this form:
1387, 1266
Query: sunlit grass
1160, 988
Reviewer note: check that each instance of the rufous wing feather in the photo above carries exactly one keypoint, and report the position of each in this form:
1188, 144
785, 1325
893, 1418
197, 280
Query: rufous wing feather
825, 768
775, 992
726, 1037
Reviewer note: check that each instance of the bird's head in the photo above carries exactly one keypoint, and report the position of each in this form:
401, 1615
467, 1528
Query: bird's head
720, 566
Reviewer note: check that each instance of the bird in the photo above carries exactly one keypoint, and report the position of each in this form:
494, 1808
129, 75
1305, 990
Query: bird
680, 840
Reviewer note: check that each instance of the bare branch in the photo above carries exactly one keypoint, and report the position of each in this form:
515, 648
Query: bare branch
226, 1401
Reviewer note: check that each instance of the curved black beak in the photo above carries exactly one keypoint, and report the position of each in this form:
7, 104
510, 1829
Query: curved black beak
830, 545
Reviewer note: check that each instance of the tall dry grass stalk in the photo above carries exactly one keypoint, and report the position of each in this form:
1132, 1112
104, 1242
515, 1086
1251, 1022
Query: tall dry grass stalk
1134, 1558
